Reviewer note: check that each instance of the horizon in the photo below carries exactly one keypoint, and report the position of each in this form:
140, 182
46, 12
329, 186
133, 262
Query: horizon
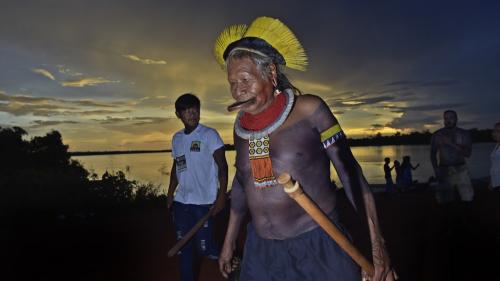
106, 74
370, 137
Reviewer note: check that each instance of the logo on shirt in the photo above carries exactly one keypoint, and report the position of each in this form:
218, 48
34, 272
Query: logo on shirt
195, 146
180, 163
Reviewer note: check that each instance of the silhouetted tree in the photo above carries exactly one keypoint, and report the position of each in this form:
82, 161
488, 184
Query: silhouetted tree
13, 149
49, 150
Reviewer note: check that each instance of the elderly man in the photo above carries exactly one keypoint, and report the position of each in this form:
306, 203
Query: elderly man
280, 130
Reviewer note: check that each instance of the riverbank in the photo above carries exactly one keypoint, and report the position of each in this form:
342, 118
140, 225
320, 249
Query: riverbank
132, 244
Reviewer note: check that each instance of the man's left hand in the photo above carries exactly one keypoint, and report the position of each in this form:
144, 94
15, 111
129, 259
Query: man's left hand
219, 204
382, 265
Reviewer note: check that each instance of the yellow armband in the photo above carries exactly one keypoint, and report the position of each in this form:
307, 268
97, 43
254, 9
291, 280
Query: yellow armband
331, 135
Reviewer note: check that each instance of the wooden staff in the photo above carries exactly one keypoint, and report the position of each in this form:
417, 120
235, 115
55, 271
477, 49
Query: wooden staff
295, 192
173, 251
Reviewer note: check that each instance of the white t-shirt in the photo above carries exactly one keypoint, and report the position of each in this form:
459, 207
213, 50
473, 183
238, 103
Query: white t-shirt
196, 170
495, 166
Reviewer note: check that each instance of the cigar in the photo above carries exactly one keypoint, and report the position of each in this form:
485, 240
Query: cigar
239, 104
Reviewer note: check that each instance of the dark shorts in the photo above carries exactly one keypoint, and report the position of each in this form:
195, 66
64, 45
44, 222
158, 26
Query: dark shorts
454, 179
309, 256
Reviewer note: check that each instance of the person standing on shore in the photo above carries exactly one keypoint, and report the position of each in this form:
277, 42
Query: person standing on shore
452, 218
454, 145
278, 130
389, 184
199, 177
407, 170
399, 175
495, 160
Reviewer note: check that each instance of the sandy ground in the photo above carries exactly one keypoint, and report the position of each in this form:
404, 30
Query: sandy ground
425, 242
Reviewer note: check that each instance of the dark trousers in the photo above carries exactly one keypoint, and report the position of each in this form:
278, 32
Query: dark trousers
310, 256
389, 184
185, 217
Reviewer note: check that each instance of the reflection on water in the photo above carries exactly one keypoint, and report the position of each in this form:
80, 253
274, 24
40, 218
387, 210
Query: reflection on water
155, 167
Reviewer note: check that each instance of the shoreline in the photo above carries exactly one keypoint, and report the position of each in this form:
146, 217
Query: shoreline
230, 147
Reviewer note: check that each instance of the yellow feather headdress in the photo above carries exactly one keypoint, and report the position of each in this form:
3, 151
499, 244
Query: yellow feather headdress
264, 35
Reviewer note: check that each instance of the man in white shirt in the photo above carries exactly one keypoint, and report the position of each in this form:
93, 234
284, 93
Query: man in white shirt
199, 175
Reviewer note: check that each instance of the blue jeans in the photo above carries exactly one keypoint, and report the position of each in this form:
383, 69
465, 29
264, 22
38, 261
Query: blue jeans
185, 217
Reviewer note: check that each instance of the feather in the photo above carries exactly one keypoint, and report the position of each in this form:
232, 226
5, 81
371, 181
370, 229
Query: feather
274, 32
278, 35
229, 35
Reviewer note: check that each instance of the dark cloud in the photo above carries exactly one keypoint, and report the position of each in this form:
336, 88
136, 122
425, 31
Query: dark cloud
96, 104
150, 120
50, 123
42, 106
376, 127
112, 120
353, 103
95, 112
423, 108
19, 109
419, 84
134, 121
410, 121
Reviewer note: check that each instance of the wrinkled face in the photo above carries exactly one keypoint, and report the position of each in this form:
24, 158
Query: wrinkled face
496, 133
190, 117
247, 82
450, 120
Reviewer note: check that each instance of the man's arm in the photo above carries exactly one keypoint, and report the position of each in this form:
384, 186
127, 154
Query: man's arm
434, 150
355, 185
172, 186
465, 145
220, 159
236, 216
334, 141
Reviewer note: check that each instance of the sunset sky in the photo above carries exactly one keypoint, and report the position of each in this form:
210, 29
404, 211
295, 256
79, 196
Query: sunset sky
106, 73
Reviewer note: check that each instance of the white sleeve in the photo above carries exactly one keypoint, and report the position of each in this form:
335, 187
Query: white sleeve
215, 141
173, 147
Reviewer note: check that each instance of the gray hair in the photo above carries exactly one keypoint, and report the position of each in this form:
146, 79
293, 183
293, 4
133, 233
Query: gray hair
263, 64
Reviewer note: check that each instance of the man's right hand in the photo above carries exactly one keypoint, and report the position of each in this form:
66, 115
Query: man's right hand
225, 258
170, 202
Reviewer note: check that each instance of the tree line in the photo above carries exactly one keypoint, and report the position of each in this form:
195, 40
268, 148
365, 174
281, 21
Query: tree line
415, 138
38, 175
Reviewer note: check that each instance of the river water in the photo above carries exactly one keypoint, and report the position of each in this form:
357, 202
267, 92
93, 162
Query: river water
155, 167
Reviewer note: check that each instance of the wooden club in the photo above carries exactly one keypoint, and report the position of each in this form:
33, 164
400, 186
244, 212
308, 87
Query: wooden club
295, 192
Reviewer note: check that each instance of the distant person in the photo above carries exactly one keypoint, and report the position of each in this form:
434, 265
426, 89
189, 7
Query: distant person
399, 174
495, 160
199, 175
389, 184
454, 145
406, 169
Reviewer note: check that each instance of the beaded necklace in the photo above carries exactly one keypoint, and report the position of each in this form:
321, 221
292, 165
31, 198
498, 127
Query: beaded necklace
258, 140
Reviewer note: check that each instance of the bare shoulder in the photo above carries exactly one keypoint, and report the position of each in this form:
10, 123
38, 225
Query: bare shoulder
307, 104
463, 131
438, 132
